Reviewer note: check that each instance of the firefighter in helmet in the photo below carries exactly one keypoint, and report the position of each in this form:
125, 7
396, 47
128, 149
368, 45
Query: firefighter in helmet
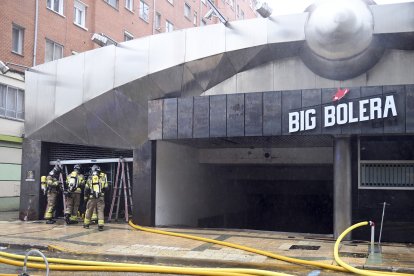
95, 188
75, 182
50, 187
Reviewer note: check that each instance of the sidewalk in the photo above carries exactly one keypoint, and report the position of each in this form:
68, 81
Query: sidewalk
120, 241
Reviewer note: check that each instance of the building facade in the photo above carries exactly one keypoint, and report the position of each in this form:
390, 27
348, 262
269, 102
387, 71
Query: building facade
277, 125
35, 32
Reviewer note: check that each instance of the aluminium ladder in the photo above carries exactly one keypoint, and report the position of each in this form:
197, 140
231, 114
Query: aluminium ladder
122, 184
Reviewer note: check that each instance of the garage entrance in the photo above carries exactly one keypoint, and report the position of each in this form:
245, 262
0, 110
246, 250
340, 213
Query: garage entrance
279, 185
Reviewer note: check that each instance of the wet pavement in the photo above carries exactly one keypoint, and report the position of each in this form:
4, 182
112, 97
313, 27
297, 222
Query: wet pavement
121, 243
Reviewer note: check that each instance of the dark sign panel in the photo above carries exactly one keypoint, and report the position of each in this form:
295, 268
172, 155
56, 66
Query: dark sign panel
354, 110
272, 113
170, 119
185, 118
201, 117
218, 118
235, 115
254, 114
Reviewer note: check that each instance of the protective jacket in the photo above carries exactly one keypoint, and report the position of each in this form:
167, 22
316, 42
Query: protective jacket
75, 182
96, 185
51, 184
95, 189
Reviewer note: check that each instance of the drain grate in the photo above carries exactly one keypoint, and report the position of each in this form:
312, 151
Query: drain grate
304, 247
353, 255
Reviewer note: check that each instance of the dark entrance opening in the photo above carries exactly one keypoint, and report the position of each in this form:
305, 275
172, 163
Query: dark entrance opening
273, 183
276, 198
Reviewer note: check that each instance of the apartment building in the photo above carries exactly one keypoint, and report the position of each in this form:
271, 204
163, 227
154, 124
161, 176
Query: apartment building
33, 32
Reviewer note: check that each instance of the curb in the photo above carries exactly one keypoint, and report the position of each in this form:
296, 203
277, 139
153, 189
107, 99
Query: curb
178, 261
390, 269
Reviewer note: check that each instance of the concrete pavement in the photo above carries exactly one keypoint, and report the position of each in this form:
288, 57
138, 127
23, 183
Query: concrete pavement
121, 242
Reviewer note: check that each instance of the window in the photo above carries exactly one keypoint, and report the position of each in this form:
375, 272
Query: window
55, 5
11, 102
143, 10
79, 14
187, 10
195, 19
171, 2
128, 36
53, 51
129, 4
17, 39
169, 27
113, 3
157, 21
241, 14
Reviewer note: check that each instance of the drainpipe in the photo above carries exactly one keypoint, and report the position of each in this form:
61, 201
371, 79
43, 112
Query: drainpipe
153, 18
35, 32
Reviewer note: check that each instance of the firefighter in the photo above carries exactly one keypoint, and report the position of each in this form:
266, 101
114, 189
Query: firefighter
50, 187
95, 195
75, 182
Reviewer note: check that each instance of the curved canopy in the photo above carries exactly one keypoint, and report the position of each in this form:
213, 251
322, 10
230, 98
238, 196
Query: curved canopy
100, 97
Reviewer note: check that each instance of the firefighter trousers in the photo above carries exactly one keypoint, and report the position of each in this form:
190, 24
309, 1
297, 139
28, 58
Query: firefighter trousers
51, 204
72, 205
93, 203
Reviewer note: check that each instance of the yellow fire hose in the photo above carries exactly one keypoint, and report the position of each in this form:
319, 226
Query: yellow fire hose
351, 268
77, 265
343, 267
244, 248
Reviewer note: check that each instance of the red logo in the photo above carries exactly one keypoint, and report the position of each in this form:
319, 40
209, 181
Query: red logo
340, 94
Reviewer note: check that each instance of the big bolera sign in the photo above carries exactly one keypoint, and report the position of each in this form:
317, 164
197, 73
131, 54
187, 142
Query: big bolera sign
343, 113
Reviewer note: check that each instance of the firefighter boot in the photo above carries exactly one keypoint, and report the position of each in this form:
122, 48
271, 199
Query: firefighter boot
86, 226
67, 219
50, 221
94, 217
73, 219
100, 227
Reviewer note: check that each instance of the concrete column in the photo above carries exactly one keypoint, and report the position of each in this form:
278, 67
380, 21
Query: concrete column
34, 159
143, 193
342, 185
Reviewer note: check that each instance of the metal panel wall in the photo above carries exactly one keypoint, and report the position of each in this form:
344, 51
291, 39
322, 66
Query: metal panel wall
311, 98
254, 114
201, 117
291, 100
218, 111
155, 120
353, 128
409, 105
169, 131
267, 113
327, 95
235, 115
185, 118
395, 124
272, 113
375, 126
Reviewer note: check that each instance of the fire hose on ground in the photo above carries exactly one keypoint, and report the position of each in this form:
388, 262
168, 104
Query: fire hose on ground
343, 267
75, 265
